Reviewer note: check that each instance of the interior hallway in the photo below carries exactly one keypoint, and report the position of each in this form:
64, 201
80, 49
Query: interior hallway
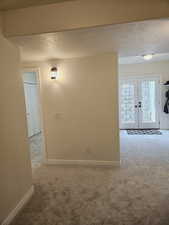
135, 194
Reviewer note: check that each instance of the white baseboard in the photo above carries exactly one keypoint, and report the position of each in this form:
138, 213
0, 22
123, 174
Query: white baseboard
19, 206
83, 162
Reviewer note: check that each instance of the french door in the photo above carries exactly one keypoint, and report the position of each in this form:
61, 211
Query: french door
139, 103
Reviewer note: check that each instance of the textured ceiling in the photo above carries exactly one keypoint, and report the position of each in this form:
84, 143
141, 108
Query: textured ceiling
132, 39
140, 59
16, 4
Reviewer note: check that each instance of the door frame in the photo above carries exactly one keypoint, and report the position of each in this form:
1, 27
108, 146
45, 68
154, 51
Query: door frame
144, 76
37, 71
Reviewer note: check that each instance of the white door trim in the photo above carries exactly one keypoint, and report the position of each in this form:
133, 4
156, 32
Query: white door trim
37, 70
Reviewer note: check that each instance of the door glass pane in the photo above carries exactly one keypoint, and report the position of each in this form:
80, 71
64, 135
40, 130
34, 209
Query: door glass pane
127, 97
148, 101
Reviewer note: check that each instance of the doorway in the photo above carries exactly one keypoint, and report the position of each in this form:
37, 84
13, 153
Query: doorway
139, 102
33, 115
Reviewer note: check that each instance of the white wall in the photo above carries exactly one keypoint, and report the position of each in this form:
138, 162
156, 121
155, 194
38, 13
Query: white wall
154, 68
80, 109
15, 167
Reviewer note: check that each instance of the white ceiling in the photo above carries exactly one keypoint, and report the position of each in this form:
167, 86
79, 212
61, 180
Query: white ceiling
140, 59
16, 4
133, 39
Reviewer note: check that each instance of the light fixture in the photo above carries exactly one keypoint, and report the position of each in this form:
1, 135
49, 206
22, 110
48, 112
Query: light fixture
148, 56
53, 72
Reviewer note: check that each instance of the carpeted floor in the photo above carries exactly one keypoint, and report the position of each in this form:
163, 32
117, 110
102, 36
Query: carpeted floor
135, 194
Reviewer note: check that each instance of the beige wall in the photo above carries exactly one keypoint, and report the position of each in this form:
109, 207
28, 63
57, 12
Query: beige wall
80, 108
81, 14
150, 69
15, 170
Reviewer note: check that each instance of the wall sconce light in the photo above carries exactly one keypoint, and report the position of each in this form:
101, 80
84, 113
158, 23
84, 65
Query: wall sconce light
53, 73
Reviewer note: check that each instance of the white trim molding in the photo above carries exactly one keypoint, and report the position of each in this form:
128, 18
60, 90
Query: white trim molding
83, 162
37, 71
19, 206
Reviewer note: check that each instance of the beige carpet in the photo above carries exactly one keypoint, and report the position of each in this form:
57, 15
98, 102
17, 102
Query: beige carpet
135, 194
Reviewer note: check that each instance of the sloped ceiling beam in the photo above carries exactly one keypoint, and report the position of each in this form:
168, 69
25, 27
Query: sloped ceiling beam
17, 4
81, 14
